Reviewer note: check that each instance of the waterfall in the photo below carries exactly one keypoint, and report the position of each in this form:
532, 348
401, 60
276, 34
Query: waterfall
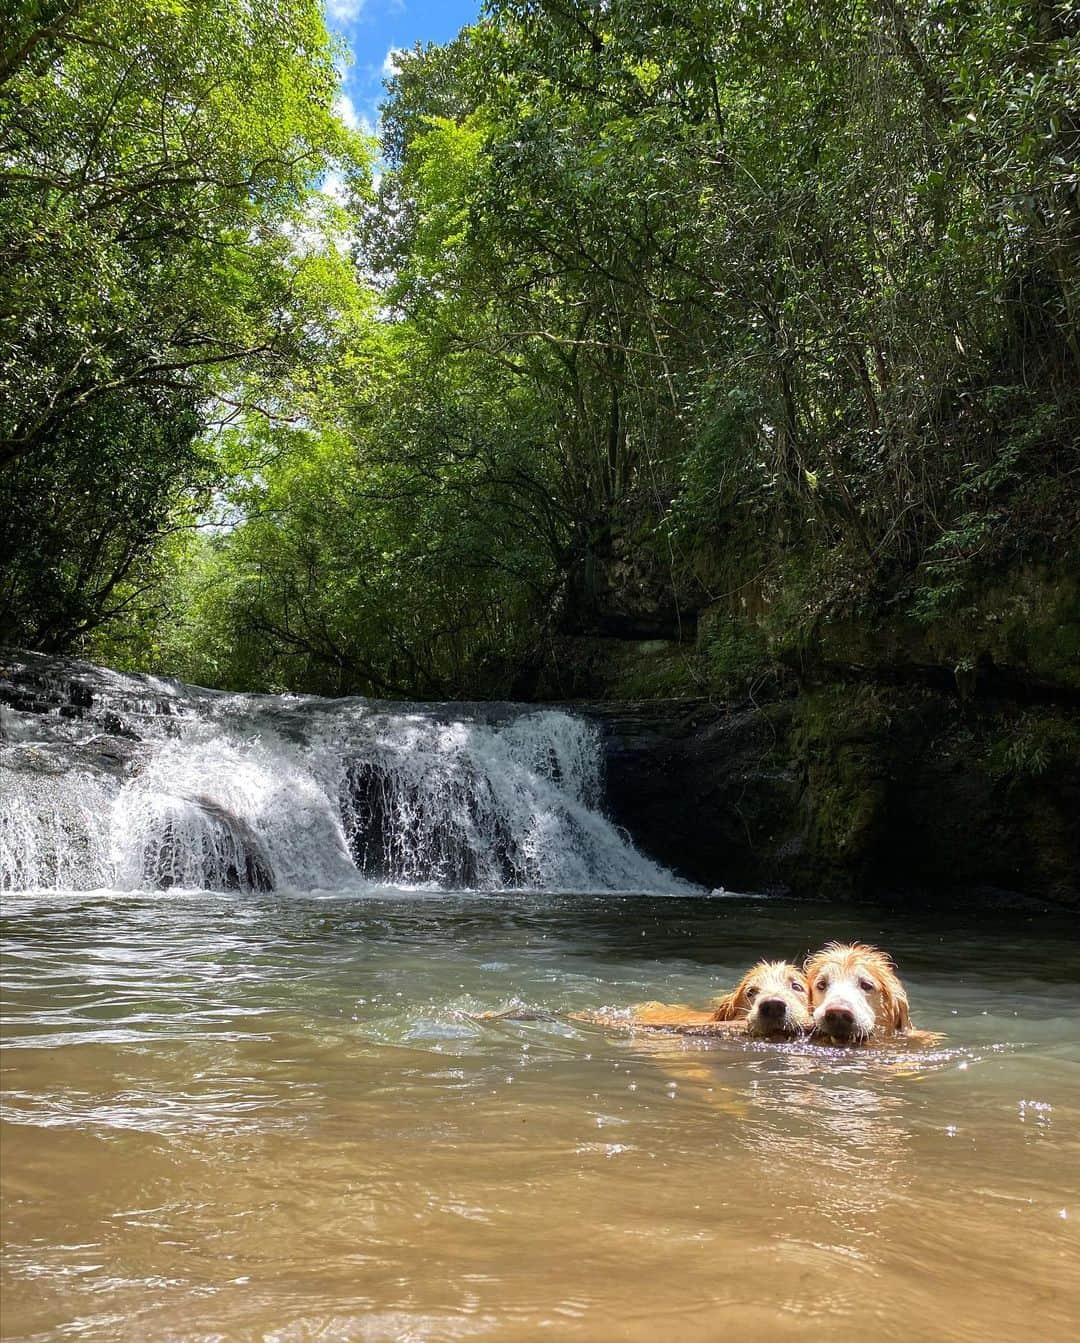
134, 783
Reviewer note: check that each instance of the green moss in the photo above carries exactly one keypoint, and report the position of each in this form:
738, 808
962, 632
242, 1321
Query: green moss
583, 667
734, 651
837, 739
1029, 623
656, 670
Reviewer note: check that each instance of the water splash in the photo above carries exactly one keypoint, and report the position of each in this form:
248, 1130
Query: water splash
237, 792
54, 829
476, 806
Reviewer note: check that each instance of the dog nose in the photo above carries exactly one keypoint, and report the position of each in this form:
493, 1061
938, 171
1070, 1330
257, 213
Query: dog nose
839, 1018
772, 1008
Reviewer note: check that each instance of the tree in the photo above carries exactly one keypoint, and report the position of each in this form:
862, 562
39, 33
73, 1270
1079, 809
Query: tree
157, 164
795, 278
679, 306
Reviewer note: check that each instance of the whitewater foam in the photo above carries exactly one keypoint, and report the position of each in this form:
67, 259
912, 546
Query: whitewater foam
244, 792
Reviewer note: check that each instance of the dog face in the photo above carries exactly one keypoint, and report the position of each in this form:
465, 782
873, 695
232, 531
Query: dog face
772, 998
855, 993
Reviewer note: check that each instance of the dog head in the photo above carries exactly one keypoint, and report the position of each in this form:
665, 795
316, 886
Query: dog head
772, 998
855, 993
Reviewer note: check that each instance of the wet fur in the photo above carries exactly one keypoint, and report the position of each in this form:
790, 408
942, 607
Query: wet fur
835, 974
737, 1012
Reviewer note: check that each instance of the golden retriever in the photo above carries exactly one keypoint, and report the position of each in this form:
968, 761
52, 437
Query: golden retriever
771, 1001
856, 995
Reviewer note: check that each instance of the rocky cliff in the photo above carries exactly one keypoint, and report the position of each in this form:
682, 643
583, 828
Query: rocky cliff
855, 790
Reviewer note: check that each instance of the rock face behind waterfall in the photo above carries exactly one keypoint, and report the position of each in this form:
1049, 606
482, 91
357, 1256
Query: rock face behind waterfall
848, 791
131, 782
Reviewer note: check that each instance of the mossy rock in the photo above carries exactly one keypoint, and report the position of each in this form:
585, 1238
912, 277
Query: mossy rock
1026, 627
595, 668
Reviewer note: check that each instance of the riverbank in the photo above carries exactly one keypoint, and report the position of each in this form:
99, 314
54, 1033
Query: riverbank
849, 792
845, 758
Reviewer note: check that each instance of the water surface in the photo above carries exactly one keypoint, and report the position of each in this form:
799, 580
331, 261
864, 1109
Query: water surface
274, 1117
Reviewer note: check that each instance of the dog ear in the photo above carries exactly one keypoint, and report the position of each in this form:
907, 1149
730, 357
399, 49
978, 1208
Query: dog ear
901, 1012
726, 1008
897, 1001
894, 995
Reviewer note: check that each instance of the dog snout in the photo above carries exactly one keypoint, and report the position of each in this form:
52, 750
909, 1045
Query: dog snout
839, 1019
772, 1009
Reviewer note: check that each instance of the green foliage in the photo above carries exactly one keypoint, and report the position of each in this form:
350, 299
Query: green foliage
1031, 744
674, 300
81, 511
157, 169
796, 278
1027, 755
986, 503
736, 652
349, 567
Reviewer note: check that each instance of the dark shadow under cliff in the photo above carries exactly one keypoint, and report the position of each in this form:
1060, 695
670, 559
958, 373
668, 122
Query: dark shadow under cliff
852, 791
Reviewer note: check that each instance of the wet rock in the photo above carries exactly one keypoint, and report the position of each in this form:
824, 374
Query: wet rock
852, 791
80, 696
24, 703
391, 838
62, 690
703, 788
115, 726
195, 841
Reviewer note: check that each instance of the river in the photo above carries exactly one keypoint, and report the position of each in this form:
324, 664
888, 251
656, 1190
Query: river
274, 1114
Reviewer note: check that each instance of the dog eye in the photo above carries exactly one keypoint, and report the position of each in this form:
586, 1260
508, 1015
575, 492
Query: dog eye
867, 985
797, 986
822, 983
751, 994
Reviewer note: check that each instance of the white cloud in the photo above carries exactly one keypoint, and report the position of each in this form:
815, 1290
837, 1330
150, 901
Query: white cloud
392, 62
344, 10
346, 110
334, 187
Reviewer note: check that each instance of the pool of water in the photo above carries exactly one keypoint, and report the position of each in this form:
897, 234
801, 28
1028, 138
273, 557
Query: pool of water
276, 1117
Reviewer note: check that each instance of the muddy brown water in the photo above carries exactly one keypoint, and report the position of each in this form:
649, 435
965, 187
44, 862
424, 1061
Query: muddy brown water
273, 1117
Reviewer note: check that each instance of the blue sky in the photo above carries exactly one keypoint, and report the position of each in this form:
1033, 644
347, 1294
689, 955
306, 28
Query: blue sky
374, 30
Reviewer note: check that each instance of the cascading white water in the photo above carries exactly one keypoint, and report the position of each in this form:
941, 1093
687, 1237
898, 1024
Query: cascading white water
234, 792
470, 804
54, 830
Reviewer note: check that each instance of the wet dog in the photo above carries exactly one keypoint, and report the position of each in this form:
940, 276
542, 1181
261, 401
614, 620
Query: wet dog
773, 998
856, 996
770, 1002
